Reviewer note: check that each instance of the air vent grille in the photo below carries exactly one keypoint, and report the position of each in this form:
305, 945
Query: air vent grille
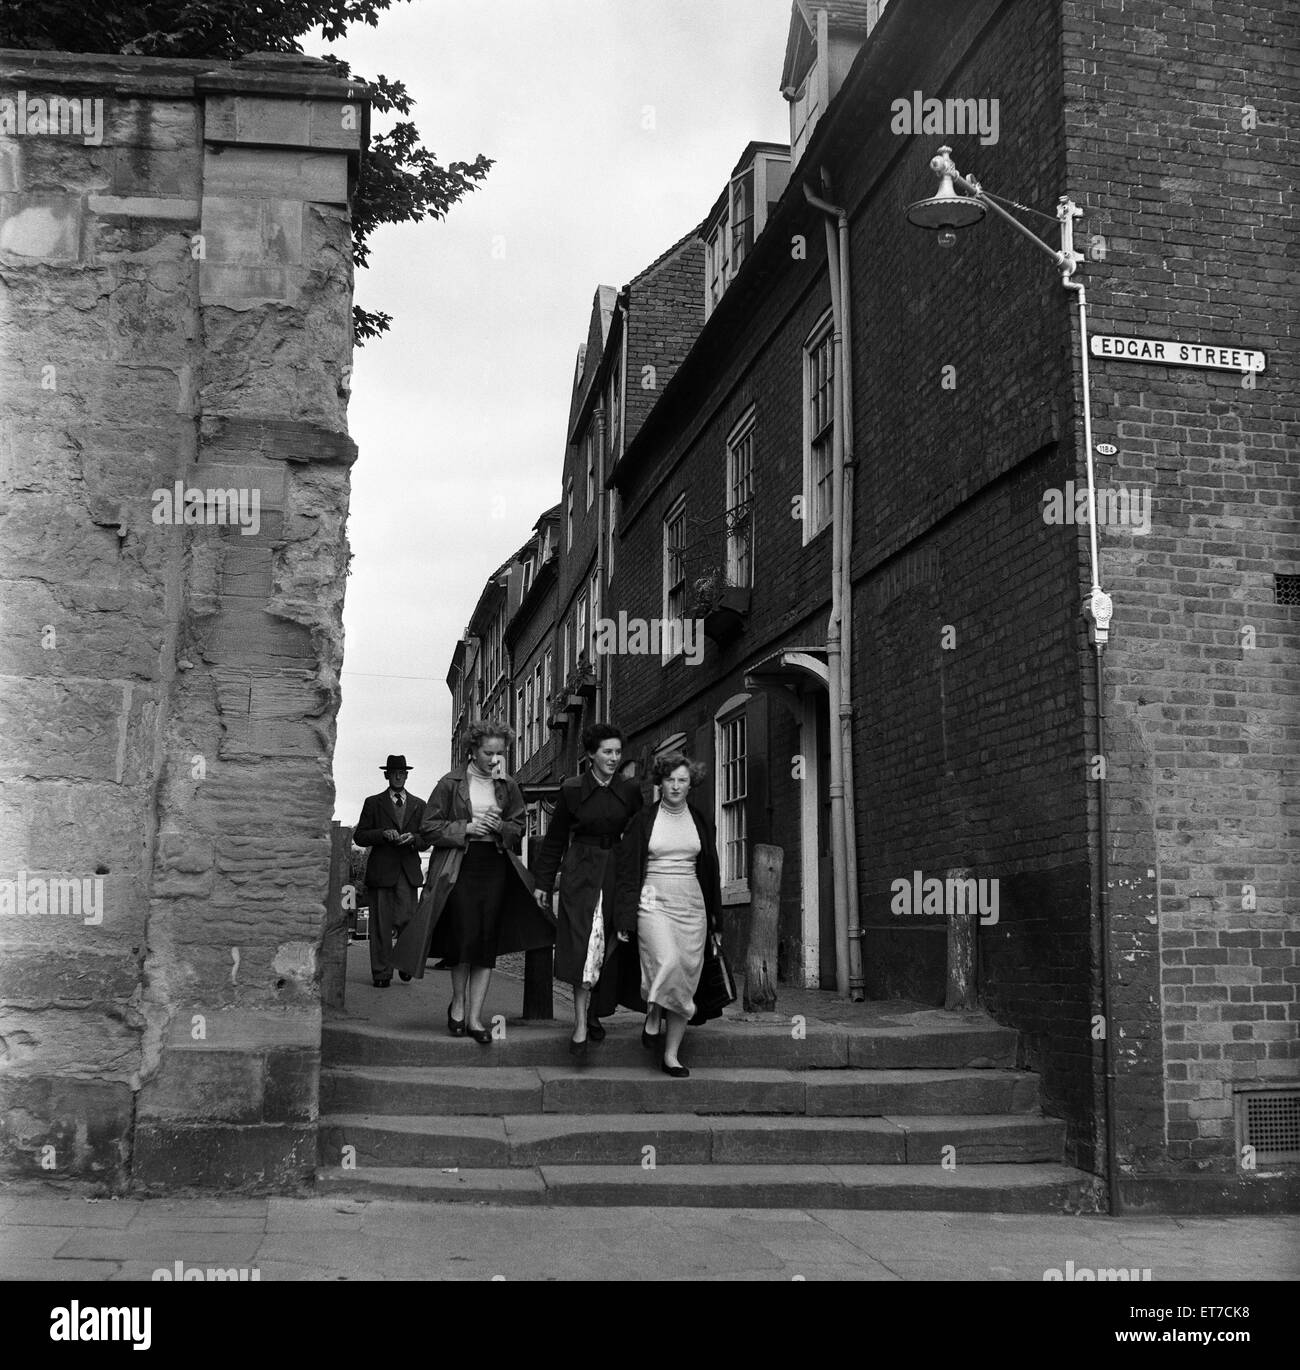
1268, 1120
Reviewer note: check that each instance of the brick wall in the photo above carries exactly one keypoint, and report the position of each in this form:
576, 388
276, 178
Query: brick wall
1180, 147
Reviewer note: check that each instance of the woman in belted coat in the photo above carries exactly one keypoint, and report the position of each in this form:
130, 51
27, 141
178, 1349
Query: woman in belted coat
591, 813
478, 897
669, 901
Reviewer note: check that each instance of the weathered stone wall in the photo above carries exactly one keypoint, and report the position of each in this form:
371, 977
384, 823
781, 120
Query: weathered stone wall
175, 307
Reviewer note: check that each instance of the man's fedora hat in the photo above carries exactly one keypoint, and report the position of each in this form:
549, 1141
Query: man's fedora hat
396, 763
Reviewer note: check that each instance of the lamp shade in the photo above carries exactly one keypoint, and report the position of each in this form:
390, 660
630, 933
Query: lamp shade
946, 210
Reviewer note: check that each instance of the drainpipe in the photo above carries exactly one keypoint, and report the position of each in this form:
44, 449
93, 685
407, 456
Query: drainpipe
839, 638
1100, 609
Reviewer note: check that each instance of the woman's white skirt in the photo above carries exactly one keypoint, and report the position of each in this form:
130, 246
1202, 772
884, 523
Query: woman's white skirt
671, 928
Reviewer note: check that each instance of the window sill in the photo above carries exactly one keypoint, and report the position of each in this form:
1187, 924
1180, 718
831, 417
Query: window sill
736, 894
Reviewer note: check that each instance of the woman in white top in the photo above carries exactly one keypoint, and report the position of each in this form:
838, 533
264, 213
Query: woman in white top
670, 896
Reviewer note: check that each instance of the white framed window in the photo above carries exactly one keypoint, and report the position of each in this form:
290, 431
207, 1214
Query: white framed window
717, 264
613, 520
548, 675
528, 578
593, 599
581, 638
564, 653
530, 714
590, 445
740, 503
674, 576
539, 709
521, 734
614, 412
731, 786
568, 517
741, 197
818, 428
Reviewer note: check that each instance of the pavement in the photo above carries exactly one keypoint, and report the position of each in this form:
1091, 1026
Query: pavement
66, 1237
66, 1233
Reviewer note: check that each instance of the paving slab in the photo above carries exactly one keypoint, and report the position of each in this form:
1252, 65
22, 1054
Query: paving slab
163, 1247
43, 1211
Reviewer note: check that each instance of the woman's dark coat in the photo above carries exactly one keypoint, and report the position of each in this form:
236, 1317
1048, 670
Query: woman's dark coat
524, 927
632, 856
584, 815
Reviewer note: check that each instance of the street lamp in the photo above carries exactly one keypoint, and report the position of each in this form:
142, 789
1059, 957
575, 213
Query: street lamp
947, 212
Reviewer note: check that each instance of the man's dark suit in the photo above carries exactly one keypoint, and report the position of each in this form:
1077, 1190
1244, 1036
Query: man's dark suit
392, 872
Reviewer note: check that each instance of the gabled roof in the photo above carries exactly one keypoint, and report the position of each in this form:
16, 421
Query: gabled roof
846, 16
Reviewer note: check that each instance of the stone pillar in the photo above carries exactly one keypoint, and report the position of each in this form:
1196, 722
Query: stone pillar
174, 353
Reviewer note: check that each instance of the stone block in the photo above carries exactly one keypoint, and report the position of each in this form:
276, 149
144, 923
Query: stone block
97, 629
276, 174
67, 729
426, 1142
264, 716
144, 207
244, 287
168, 1155
157, 173
252, 232
292, 1086
197, 1081
152, 123
47, 824
67, 972
101, 1042
40, 227
86, 1122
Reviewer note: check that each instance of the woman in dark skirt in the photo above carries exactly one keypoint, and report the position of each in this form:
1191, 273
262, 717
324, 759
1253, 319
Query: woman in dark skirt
592, 812
478, 898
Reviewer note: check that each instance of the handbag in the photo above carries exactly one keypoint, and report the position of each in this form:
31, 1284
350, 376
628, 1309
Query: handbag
717, 988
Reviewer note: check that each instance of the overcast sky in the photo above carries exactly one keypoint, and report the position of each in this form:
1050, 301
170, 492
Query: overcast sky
459, 411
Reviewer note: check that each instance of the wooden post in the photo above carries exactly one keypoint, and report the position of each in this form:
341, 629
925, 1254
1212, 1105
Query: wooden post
765, 912
334, 938
962, 918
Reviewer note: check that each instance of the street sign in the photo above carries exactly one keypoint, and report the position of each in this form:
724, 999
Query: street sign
1171, 352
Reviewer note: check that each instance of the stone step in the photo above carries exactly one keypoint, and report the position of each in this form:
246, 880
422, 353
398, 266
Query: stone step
1034, 1188
926, 1044
503, 1090
684, 1139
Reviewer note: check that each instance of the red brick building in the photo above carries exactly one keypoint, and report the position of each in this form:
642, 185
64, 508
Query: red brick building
1137, 844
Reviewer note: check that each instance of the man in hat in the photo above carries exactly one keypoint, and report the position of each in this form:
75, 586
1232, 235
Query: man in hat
390, 826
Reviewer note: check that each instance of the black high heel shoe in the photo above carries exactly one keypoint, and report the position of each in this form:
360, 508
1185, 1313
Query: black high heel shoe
595, 1033
483, 1036
578, 1050
652, 1041
677, 1072
456, 1026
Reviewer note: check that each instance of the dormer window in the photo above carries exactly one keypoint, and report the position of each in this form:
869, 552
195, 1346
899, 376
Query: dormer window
756, 184
825, 36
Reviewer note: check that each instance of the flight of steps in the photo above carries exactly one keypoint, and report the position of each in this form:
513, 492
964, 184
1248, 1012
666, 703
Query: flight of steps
843, 1117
